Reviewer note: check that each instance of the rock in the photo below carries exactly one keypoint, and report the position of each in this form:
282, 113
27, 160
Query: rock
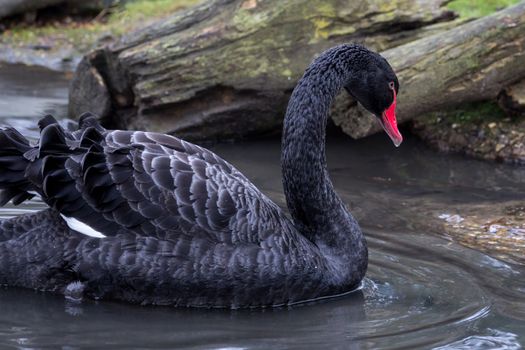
457, 138
498, 229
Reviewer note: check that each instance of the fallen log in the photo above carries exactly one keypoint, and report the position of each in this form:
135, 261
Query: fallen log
469, 63
227, 67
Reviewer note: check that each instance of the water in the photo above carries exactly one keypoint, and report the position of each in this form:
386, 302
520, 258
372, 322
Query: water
422, 289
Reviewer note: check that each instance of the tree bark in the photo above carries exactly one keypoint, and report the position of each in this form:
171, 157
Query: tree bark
469, 63
226, 68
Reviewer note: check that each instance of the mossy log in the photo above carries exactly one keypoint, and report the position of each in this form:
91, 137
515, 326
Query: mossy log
226, 68
472, 62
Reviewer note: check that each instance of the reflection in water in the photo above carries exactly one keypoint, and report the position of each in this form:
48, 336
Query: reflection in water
422, 290
37, 318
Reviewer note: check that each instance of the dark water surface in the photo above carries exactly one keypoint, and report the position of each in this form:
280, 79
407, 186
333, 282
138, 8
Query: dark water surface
422, 290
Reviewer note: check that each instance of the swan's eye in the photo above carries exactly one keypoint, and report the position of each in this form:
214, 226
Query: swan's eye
391, 85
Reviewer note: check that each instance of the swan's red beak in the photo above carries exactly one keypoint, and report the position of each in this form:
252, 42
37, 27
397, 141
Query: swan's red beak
389, 123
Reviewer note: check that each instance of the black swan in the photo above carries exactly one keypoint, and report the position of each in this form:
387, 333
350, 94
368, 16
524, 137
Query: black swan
148, 218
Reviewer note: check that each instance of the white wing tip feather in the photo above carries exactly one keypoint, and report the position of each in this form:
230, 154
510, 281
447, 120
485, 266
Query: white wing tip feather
79, 226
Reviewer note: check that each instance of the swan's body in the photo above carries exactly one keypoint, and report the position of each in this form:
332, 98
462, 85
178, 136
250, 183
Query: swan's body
149, 218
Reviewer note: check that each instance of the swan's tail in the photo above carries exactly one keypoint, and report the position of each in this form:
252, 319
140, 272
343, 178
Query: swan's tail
14, 184
23, 167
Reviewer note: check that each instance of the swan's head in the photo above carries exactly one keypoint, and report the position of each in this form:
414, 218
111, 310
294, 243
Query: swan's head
375, 87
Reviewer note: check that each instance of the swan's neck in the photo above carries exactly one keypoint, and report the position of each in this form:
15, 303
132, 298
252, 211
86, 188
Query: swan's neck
318, 212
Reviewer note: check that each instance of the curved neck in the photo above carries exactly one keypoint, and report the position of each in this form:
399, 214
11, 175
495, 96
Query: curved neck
317, 211
309, 192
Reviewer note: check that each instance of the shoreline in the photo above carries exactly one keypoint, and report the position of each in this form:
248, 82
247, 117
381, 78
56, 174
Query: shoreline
493, 139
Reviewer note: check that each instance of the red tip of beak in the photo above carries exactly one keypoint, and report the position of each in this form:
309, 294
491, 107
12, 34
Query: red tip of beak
389, 123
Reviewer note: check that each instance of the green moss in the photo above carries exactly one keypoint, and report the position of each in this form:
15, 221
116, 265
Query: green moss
143, 10
84, 35
321, 25
473, 113
478, 8
322, 8
140, 9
